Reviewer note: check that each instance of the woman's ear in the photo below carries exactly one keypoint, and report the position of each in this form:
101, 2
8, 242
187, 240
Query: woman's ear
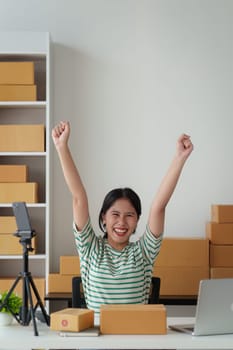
103, 219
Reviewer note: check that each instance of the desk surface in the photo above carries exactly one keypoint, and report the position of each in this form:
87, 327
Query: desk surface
23, 338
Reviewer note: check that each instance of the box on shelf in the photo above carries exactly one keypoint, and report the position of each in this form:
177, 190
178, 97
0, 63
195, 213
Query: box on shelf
69, 265
18, 92
133, 319
72, 319
221, 272
10, 245
180, 281
7, 282
221, 255
185, 252
58, 283
13, 73
8, 224
222, 213
22, 138
19, 192
219, 233
13, 173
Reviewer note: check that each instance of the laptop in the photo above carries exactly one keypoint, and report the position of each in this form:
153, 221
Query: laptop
214, 311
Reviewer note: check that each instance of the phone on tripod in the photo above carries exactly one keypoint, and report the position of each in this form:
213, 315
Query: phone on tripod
22, 220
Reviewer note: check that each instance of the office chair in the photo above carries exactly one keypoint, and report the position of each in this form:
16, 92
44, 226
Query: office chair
78, 299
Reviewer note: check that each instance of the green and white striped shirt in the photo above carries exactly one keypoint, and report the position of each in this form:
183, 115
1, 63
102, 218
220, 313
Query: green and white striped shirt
110, 276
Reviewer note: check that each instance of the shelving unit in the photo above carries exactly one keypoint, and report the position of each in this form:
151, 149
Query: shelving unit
30, 46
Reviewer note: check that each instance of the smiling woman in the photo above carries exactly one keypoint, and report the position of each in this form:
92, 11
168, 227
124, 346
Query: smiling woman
115, 270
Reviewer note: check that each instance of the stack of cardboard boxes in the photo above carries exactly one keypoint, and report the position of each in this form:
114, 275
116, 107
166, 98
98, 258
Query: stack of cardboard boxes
17, 82
181, 264
220, 233
14, 185
62, 282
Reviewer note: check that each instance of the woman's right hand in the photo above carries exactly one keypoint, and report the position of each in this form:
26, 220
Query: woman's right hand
60, 134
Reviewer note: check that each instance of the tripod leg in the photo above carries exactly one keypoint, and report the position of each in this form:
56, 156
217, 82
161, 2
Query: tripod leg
32, 313
39, 301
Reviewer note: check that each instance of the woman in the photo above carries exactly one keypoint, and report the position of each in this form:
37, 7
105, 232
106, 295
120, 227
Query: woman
115, 270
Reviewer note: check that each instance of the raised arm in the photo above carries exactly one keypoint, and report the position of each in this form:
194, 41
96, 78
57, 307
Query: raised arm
60, 135
168, 185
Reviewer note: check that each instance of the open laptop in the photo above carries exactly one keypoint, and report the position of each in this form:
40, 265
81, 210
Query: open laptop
214, 311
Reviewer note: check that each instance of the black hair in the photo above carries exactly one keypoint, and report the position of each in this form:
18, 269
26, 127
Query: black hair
116, 194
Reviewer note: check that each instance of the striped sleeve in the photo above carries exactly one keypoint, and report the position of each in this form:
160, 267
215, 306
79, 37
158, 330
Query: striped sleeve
85, 240
150, 245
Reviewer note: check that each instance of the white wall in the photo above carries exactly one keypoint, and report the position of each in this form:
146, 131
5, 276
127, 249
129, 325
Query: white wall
131, 75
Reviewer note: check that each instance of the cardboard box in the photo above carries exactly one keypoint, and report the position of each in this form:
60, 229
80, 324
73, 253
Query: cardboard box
184, 252
7, 224
133, 319
18, 93
19, 192
58, 283
21, 73
180, 281
7, 282
22, 138
222, 213
13, 173
221, 272
221, 255
72, 319
219, 233
69, 265
10, 245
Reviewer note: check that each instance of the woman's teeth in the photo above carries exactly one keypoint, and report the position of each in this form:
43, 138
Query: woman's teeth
120, 231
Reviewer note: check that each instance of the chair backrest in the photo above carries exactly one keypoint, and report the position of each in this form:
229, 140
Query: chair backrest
155, 291
78, 299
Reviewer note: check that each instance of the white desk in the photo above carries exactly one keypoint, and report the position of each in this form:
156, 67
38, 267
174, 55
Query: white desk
18, 337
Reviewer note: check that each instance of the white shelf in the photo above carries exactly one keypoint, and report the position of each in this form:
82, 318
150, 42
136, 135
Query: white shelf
29, 205
22, 104
27, 154
19, 257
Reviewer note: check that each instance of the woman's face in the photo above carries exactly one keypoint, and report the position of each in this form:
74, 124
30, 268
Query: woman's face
121, 221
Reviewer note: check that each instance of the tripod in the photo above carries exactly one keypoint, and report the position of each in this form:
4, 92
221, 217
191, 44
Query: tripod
27, 312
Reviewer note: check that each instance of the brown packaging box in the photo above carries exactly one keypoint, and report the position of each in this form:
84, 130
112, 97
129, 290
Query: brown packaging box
133, 319
219, 233
13, 73
58, 283
72, 319
22, 138
7, 282
10, 245
19, 192
222, 213
69, 265
18, 92
221, 255
13, 173
183, 252
7, 224
221, 272
180, 281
